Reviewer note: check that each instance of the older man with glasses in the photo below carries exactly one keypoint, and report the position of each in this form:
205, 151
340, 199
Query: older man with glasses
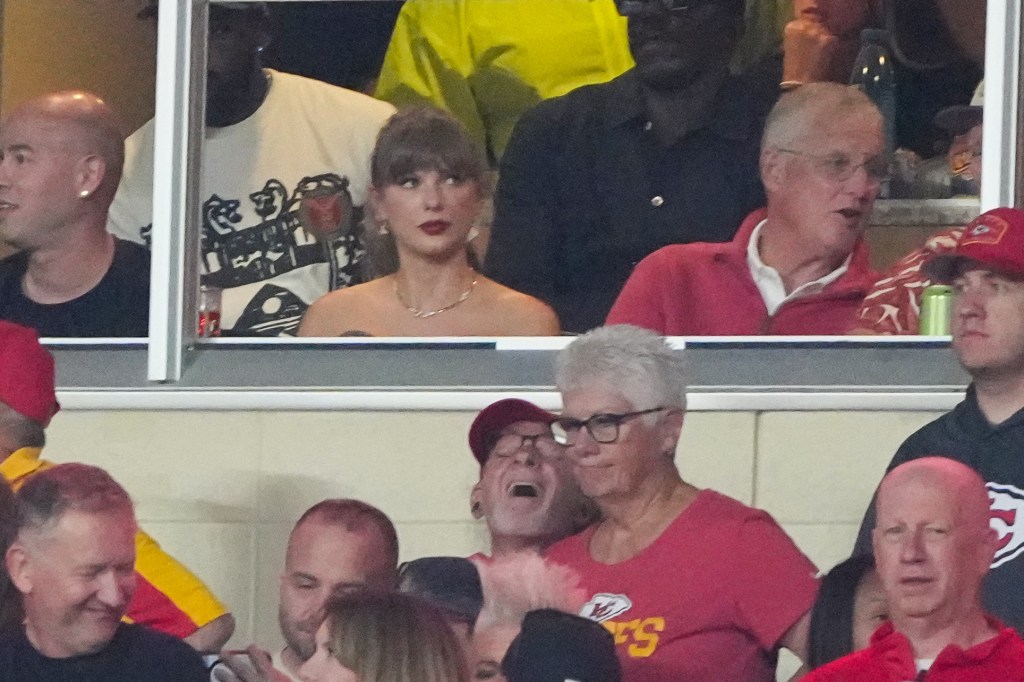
693, 585
526, 493
799, 265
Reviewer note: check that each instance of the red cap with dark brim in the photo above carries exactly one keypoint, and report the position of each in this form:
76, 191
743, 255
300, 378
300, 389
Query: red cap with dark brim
26, 374
994, 240
498, 416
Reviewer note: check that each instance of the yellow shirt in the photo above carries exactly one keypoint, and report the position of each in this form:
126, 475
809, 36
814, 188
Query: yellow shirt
488, 61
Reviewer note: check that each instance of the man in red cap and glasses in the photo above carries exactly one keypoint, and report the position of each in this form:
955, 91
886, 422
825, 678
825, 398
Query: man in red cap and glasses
168, 597
986, 430
526, 492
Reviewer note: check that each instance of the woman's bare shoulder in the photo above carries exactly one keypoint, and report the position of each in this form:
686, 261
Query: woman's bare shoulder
521, 314
343, 311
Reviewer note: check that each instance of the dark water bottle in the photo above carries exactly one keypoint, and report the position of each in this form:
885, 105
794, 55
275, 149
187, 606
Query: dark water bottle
873, 74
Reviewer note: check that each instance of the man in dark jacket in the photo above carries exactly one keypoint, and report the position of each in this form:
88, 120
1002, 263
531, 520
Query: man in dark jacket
986, 430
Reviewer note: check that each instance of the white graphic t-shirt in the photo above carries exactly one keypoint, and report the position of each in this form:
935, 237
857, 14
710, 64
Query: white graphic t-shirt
282, 195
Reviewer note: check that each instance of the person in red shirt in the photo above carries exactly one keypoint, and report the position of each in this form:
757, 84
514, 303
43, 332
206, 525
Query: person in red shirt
800, 264
933, 547
693, 584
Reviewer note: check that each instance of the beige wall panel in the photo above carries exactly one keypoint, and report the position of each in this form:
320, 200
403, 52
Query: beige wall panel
822, 467
271, 541
178, 466
460, 538
717, 451
223, 556
95, 45
826, 544
416, 466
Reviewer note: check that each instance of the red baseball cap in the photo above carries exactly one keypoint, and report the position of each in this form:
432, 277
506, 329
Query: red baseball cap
26, 374
994, 240
498, 416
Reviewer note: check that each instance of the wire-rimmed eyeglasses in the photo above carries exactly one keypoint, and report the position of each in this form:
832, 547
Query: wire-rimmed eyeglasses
840, 167
603, 428
508, 444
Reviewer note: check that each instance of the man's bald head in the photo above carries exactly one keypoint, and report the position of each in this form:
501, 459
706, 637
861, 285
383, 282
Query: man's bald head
86, 124
933, 542
961, 484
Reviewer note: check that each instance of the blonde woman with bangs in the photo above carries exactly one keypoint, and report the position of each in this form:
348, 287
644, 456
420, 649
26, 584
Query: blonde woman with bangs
429, 187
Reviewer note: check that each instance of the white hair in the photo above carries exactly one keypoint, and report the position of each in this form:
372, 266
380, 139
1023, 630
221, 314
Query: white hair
800, 112
636, 363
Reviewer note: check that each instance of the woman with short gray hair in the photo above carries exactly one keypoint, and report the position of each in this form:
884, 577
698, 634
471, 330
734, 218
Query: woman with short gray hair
694, 585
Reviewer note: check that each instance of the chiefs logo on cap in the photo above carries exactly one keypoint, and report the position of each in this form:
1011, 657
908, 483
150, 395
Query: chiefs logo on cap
603, 606
1007, 520
986, 229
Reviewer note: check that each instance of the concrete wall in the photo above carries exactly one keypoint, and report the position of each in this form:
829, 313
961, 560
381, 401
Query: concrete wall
221, 490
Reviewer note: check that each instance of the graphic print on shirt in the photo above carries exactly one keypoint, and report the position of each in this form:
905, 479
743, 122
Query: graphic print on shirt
639, 635
1007, 520
315, 223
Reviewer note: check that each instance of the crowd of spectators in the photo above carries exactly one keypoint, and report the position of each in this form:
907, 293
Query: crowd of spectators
668, 195
655, 178
604, 563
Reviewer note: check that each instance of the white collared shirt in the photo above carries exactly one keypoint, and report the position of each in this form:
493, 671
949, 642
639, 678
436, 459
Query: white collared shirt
770, 284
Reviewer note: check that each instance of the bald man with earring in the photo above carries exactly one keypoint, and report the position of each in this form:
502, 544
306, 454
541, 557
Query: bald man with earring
61, 157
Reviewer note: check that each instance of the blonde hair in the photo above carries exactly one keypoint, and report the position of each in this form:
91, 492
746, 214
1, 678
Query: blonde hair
393, 637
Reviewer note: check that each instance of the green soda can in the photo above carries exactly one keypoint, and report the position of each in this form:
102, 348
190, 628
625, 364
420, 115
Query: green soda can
936, 310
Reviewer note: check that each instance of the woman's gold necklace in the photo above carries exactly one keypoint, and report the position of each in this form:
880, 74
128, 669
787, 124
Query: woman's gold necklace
423, 314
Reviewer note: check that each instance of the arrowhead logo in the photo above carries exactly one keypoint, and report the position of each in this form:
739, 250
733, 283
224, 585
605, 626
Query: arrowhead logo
603, 606
987, 229
1007, 503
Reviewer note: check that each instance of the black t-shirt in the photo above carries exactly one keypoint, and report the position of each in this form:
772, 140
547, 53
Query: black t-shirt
136, 654
117, 306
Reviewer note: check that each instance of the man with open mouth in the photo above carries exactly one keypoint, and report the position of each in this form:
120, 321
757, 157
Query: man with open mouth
526, 493
799, 265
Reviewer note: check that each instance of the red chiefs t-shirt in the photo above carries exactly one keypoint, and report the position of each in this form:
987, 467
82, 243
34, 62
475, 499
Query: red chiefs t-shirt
708, 600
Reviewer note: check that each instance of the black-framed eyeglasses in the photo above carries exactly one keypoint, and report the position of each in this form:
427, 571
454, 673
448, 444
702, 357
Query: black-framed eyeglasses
508, 444
604, 427
628, 8
840, 167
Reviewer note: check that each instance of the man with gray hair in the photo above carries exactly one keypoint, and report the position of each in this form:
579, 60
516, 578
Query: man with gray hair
799, 265
73, 561
168, 598
694, 585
